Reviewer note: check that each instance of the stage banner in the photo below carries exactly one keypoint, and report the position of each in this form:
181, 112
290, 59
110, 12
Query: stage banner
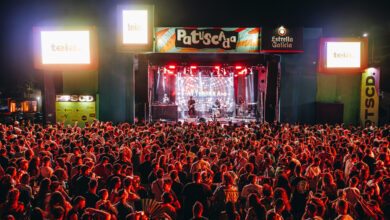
69, 112
369, 101
282, 40
207, 40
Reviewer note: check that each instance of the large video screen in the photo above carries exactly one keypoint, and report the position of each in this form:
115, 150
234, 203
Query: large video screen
343, 54
205, 90
65, 47
135, 26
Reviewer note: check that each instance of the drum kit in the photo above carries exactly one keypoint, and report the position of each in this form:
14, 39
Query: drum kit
216, 112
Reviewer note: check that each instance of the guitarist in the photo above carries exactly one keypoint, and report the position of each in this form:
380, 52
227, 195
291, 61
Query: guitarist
191, 107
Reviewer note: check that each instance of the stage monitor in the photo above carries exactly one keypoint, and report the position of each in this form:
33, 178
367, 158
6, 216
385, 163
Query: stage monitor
135, 28
65, 48
342, 55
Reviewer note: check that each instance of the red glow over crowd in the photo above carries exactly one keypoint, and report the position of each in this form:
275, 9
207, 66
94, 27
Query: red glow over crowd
194, 171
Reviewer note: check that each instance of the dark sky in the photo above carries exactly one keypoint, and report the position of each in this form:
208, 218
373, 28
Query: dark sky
337, 18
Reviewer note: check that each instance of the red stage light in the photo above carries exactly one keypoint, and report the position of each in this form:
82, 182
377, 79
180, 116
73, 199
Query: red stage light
243, 72
193, 67
218, 69
172, 67
238, 67
166, 71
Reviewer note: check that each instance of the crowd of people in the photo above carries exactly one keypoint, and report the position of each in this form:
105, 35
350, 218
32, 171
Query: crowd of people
194, 171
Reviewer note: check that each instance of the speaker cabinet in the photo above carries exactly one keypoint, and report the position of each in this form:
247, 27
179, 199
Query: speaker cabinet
164, 112
330, 112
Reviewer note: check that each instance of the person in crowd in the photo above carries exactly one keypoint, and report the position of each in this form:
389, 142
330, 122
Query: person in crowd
78, 208
227, 192
168, 206
122, 207
229, 213
352, 192
105, 204
300, 189
255, 209
157, 185
311, 212
252, 187
12, 206
197, 212
267, 197
46, 170
342, 210
91, 198
193, 192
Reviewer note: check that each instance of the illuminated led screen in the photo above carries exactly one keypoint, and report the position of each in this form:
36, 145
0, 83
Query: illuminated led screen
205, 90
135, 26
65, 47
343, 54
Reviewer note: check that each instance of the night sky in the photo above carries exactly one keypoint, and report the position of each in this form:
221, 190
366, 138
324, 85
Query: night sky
337, 18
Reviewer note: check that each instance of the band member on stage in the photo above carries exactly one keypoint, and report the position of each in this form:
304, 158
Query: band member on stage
216, 109
241, 106
241, 101
191, 107
165, 99
217, 104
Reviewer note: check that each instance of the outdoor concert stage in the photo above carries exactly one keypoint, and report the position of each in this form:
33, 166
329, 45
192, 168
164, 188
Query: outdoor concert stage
210, 90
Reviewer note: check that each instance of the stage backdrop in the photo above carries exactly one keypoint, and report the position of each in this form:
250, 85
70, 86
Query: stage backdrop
204, 40
205, 90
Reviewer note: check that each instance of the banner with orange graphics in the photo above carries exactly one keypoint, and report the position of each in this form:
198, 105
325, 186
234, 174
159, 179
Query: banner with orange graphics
204, 40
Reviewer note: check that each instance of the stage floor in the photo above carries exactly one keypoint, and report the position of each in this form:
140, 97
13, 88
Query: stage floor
234, 120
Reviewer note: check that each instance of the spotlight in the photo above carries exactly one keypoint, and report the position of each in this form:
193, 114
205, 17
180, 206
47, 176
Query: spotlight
365, 34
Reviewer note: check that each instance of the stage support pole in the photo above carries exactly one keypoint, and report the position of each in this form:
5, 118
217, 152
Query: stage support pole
278, 79
129, 98
150, 105
49, 97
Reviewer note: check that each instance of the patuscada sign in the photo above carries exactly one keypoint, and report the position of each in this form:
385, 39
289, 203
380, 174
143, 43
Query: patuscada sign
282, 40
206, 38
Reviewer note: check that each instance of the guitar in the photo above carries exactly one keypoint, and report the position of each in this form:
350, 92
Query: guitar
192, 105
